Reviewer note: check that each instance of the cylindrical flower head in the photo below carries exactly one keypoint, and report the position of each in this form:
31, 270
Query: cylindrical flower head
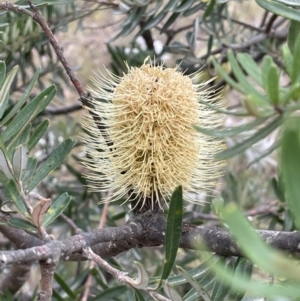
149, 114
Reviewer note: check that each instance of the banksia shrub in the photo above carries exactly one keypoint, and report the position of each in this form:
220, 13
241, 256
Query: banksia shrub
149, 114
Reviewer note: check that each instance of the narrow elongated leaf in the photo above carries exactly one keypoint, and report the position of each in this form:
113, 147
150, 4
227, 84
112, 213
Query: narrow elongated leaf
173, 231
250, 66
169, 22
273, 84
240, 147
30, 169
184, 6
231, 131
279, 9
138, 296
241, 284
37, 134
171, 5
202, 293
234, 113
64, 286
110, 293
20, 160
290, 166
23, 98
153, 21
194, 9
288, 59
171, 292
198, 273
247, 86
4, 165
58, 206
294, 30
260, 253
296, 61
21, 139
226, 77
221, 288
4, 91
209, 8
22, 224
2, 73
15, 197
55, 160
244, 268
33, 108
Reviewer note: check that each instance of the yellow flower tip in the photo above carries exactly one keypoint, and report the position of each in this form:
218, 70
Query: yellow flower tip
149, 114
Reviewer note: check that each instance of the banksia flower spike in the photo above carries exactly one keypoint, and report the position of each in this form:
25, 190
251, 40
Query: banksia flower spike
149, 114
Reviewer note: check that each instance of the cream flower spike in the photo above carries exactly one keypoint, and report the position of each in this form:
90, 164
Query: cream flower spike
149, 114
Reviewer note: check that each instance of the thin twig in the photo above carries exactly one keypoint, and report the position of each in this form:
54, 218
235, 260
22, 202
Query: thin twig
85, 96
88, 282
71, 223
119, 275
63, 110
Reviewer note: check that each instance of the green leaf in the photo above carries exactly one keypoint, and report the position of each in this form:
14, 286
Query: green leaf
241, 147
294, 30
173, 231
209, 9
296, 61
260, 253
229, 132
20, 160
23, 98
22, 224
266, 153
184, 6
58, 206
33, 108
4, 92
38, 134
214, 108
247, 86
244, 268
64, 286
2, 73
171, 5
110, 293
226, 77
221, 288
21, 139
15, 197
202, 293
241, 284
54, 160
250, 66
153, 21
138, 296
288, 59
30, 169
169, 22
5, 164
194, 9
171, 292
273, 84
279, 9
290, 166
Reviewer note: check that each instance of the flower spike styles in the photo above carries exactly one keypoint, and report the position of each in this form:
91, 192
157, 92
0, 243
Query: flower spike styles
149, 114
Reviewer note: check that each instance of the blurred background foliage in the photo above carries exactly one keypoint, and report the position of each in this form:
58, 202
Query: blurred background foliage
250, 48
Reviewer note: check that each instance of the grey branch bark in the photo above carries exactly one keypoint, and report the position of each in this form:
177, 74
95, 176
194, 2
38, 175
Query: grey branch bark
144, 230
